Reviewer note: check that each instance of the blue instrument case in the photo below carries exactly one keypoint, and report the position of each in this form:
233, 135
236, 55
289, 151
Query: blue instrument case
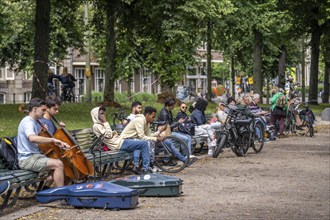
92, 195
155, 184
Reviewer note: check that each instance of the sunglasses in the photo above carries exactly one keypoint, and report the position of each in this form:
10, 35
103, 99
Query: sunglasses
183, 107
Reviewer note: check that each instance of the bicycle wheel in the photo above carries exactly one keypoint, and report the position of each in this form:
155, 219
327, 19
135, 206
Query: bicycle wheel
259, 138
220, 145
310, 127
165, 158
287, 126
242, 145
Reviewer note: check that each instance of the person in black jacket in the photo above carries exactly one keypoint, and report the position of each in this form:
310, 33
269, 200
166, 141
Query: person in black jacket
166, 115
182, 113
203, 127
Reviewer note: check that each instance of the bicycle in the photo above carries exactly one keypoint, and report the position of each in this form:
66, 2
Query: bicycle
165, 158
67, 94
307, 117
236, 134
290, 121
119, 119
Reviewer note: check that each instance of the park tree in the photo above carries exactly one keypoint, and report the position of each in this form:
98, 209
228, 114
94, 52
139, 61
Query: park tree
309, 17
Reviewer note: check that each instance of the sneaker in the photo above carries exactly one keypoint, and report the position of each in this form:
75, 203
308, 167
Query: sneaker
148, 171
136, 170
4, 186
154, 170
191, 161
192, 156
170, 163
210, 152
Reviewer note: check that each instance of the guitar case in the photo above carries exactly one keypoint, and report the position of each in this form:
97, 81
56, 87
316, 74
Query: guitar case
92, 195
154, 184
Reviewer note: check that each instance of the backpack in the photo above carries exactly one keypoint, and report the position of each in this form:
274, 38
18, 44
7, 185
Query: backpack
8, 153
281, 101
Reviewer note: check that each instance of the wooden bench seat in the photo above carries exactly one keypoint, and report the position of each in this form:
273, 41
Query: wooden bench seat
29, 180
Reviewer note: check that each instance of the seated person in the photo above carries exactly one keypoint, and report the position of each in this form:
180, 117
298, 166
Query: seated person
116, 142
140, 128
182, 113
136, 108
203, 128
221, 114
187, 127
29, 155
166, 115
231, 104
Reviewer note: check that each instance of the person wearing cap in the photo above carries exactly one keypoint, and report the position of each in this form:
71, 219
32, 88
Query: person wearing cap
29, 155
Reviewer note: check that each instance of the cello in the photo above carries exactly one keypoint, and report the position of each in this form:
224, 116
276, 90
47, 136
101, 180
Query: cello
74, 153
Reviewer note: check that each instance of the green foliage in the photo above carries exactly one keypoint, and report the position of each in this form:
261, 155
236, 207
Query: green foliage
144, 97
121, 97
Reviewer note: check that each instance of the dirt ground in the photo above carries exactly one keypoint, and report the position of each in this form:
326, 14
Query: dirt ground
289, 179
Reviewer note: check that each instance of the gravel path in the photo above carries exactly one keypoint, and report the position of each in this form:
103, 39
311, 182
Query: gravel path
289, 179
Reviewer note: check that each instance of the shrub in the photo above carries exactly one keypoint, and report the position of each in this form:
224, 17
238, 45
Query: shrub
97, 96
144, 97
121, 97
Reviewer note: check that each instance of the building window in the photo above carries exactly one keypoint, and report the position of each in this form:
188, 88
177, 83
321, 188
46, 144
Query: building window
10, 75
81, 78
99, 80
27, 97
2, 98
146, 84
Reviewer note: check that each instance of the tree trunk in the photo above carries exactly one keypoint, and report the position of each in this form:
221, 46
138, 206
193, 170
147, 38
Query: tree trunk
257, 63
326, 57
303, 71
281, 68
110, 45
325, 97
315, 48
232, 71
129, 83
208, 60
41, 49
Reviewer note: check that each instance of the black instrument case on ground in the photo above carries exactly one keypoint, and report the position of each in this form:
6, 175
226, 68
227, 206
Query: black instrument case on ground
152, 184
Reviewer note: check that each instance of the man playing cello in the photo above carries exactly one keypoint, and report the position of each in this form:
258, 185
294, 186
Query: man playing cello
29, 155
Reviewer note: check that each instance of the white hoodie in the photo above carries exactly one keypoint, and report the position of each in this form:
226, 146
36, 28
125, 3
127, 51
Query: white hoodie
111, 138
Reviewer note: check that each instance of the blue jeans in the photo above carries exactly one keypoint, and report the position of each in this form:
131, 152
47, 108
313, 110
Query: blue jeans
186, 138
175, 151
131, 145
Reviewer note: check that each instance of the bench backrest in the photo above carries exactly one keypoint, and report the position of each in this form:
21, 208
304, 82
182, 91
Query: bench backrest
85, 137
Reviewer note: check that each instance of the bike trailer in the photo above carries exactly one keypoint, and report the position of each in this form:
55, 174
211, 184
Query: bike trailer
152, 184
92, 195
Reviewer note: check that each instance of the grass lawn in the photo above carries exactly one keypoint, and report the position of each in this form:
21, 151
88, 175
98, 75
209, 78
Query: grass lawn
77, 115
